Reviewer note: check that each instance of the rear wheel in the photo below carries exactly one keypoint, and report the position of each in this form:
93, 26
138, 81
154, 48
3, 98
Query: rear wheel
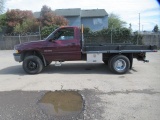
119, 64
32, 65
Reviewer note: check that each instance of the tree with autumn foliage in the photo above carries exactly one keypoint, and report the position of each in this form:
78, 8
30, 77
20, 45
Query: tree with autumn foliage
28, 25
60, 20
21, 21
17, 18
50, 21
49, 18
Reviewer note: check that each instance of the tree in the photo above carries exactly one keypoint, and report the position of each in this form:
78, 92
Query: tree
1, 6
49, 18
2, 21
15, 17
115, 22
59, 20
130, 27
46, 16
45, 9
48, 30
28, 25
155, 29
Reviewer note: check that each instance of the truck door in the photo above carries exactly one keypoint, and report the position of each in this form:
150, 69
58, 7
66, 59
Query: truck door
64, 45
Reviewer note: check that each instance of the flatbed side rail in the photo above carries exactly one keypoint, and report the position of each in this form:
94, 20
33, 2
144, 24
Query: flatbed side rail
119, 49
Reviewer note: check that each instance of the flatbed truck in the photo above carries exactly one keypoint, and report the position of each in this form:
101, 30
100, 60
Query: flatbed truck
68, 44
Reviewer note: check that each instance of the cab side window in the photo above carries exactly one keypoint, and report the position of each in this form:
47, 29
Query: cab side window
65, 34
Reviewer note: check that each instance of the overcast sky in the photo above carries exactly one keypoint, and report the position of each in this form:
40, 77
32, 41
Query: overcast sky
128, 10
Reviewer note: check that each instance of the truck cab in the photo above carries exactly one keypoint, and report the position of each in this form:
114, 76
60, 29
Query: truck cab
63, 45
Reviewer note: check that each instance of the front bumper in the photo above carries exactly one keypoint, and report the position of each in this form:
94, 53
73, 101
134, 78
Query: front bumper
17, 57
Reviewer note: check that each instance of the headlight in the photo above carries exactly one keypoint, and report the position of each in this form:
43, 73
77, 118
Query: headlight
16, 51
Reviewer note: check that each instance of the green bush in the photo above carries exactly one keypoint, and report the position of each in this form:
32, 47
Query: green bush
119, 35
137, 38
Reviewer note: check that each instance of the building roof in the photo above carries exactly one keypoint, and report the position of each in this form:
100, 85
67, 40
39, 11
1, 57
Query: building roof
78, 12
36, 14
68, 12
94, 13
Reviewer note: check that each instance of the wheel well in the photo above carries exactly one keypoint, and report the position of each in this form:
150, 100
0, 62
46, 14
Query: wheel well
36, 53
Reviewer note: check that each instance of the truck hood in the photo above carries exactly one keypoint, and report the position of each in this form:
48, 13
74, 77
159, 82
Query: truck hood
31, 45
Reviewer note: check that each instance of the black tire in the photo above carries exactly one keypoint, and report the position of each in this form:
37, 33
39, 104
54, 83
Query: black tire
109, 62
119, 64
32, 64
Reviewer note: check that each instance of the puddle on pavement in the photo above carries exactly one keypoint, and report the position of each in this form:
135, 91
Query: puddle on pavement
62, 103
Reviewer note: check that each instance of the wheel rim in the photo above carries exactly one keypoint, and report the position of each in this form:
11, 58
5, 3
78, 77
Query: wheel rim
120, 65
32, 65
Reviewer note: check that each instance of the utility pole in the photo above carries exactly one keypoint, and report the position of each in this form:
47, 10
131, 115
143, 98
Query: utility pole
40, 32
142, 28
139, 22
111, 34
139, 28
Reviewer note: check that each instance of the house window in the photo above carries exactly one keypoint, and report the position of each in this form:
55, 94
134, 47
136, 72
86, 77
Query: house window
97, 21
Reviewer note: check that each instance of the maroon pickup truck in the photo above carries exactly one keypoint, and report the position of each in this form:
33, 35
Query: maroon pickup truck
67, 44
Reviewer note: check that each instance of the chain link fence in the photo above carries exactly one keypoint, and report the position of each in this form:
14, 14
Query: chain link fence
8, 41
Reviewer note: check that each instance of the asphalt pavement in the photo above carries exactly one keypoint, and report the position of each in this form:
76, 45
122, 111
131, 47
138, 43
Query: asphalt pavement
106, 96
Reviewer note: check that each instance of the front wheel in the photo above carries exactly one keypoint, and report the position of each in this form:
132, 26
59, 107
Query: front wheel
119, 64
32, 65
